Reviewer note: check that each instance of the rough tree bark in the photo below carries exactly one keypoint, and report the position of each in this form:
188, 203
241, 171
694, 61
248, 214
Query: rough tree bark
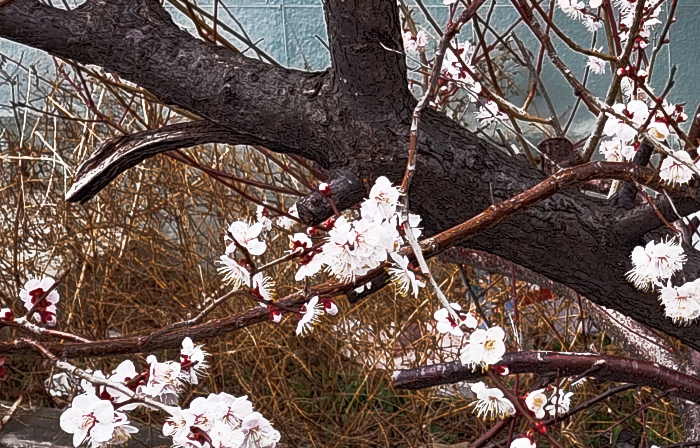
356, 116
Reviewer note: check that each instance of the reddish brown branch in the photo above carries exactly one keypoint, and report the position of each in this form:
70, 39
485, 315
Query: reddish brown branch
612, 368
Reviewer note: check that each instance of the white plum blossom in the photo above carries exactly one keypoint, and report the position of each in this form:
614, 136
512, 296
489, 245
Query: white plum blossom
402, 275
572, 8
454, 67
94, 420
32, 291
258, 431
673, 171
523, 442
163, 380
224, 436
560, 403
447, 324
192, 361
636, 111
654, 262
486, 347
263, 219
658, 129
299, 241
310, 314
124, 372
382, 201
592, 24
7, 314
491, 403
415, 43
595, 3
234, 274
489, 113
309, 266
246, 235
231, 410
616, 151
329, 306
220, 421
535, 401
682, 303
311, 262
355, 248
596, 64
178, 426
263, 288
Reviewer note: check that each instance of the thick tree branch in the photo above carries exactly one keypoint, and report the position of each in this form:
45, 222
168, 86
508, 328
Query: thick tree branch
139, 41
119, 154
608, 368
372, 77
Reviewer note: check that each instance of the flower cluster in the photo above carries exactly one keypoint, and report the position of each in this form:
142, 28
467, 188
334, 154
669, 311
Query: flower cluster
34, 290
536, 402
98, 416
352, 248
682, 303
655, 262
220, 421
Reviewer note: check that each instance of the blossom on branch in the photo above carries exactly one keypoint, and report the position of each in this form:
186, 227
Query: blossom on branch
329, 306
491, 403
636, 111
535, 402
94, 420
572, 8
263, 219
654, 262
489, 113
382, 201
560, 403
402, 276
415, 43
246, 235
523, 442
674, 169
311, 311
191, 361
616, 151
7, 315
592, 24
486, 347
447, 324
258, 431
682, 303
234, 274
595, 64
163, 380
32, 292
262, 288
